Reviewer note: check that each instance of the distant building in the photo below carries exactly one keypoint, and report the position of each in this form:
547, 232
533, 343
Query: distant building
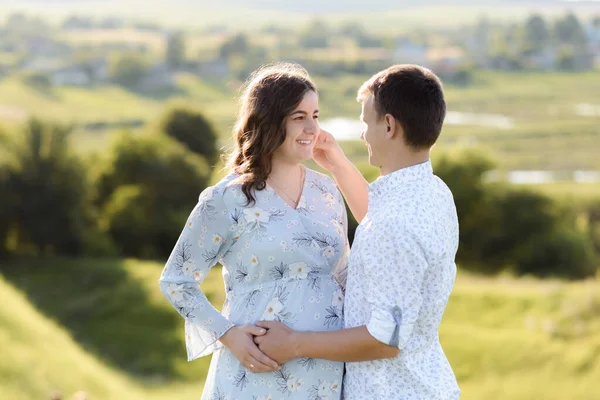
217, 68
446, 59
407, 52
158, 77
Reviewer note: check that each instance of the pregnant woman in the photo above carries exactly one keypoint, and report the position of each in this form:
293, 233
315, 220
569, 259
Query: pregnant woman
280, 232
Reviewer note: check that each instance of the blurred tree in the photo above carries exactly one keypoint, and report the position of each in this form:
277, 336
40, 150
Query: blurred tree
192, 129
128, 70
536, 35
47, 190
568, 30
8, 209
235, 45
464, 171
566, 58
145, 189
563, 253
176, 51
315, 35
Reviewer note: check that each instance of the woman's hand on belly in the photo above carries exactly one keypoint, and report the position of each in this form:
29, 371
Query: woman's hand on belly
240, 341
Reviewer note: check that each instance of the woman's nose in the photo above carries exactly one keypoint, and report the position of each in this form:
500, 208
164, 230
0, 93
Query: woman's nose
312, 126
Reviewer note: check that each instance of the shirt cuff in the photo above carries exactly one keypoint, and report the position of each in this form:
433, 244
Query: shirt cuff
387, 327
202, 332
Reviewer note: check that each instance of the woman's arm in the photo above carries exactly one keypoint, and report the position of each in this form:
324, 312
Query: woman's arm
205, 239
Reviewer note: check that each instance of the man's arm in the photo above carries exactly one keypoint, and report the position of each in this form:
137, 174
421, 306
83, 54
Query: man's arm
352, 184
354, 344
394, 266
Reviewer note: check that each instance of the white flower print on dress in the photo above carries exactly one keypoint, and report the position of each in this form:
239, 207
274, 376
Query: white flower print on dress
217, 240
337, 300
291, 383
188, 267
176, 295
254, 260
256, 215
273, 308
299, 270
329, 252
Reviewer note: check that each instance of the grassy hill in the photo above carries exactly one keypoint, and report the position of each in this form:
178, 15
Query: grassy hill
40, 358
103, 326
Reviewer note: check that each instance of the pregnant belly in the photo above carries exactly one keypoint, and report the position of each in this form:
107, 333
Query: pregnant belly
314, 304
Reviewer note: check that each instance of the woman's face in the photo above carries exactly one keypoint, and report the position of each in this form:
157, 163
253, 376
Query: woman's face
302, 129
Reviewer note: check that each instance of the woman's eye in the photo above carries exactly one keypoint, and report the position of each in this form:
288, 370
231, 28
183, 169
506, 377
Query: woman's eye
298, 118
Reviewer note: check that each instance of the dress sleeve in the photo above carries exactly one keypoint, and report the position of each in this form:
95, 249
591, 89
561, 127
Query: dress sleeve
395, 267
205, 239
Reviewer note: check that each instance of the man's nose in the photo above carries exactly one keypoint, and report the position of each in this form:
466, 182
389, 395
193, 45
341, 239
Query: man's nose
362, 135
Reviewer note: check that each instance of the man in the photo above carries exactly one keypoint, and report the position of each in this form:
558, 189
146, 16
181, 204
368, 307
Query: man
401, 269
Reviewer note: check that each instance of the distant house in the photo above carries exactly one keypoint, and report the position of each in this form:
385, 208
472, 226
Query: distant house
158, 77
407, 52
446, 60
70, 76
216, 68
544, 59
42, 46
64, 73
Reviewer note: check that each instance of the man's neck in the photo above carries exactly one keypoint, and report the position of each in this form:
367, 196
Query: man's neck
404, 159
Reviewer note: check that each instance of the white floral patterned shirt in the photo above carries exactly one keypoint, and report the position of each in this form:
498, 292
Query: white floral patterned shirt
400, 275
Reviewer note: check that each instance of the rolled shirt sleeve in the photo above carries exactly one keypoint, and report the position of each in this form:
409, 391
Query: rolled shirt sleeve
394, 270
204, 240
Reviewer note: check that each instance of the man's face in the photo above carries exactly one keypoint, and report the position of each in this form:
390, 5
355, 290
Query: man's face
374, 133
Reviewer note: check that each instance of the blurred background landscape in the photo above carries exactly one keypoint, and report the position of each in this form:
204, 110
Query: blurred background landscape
113, 116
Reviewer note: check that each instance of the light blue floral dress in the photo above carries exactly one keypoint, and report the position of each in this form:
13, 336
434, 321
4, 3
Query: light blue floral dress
279, 263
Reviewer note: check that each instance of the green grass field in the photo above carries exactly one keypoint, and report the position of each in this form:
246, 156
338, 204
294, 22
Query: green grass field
548, 132
102, 326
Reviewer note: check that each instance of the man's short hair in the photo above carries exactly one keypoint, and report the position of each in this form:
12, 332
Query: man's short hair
413, 95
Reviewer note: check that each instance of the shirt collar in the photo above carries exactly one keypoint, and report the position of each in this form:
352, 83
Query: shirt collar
400, 177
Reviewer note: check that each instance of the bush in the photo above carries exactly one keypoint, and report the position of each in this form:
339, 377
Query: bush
562, 253
46, 191
128, 70
464, 171
192, 129
146, 189
501, 227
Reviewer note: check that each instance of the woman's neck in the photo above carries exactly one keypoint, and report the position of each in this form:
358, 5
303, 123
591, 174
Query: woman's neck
285, 173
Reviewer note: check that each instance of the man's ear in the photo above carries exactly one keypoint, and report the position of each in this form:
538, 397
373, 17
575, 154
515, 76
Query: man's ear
391, 125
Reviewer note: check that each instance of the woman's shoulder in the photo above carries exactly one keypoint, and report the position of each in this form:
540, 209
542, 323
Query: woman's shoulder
320, 180
222, 189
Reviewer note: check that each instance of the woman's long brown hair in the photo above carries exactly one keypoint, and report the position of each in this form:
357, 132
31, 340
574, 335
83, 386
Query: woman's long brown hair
270, 95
